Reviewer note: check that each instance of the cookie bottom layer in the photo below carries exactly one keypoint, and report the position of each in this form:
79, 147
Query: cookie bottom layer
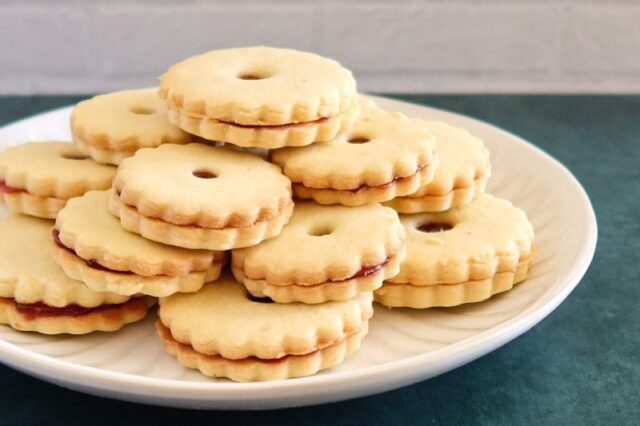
438, 203
321, 293
32, 205
370, 194
101, 155
395, 295
256, 369
270, 137
194, 237
110, 318
128, 284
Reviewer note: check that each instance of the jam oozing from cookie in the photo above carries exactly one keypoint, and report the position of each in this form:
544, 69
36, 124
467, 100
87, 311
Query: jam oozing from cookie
9, 189
92, 263
434, 227
39, 309
274, 126
366, 187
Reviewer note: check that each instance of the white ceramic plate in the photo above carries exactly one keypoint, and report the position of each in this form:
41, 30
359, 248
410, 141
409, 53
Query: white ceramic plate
403, 346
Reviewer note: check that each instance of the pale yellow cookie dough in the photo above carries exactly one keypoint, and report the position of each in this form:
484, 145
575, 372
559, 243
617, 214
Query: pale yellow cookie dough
114, 126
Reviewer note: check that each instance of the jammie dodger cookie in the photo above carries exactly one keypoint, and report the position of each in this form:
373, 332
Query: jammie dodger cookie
114, 126
92, 247
261, 97
466, 254
202, 197
223, 332
386, 155
37, 178
324, 253
461, 175
35, 295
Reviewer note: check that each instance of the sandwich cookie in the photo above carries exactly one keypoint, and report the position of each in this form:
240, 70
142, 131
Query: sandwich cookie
261, 97
35, 295
92, 247
223, 332
37, 178
201, 197
466, 254
325, 253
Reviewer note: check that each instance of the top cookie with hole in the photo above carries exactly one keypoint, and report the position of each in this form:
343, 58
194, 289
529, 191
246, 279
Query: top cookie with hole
114, 126
37, 178
385, 155
261, 97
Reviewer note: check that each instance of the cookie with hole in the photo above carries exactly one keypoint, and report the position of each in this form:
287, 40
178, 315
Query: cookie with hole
224, 332
37, 178
462, 173
198, 196
113, 126
324, 253
90, 246
385, 155
463, 255
261, 97
35, 295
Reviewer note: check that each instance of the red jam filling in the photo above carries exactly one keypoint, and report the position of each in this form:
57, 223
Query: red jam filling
367, 270
9, 189
274, 126
366, 187
36, 310
92, 263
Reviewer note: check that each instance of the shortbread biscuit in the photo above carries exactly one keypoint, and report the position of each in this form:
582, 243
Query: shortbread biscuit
201, 197
463, 255
92, 247
325, 253
260, 97
224, 332
386, 155
112, 127
37, 178
462, 173
35, 295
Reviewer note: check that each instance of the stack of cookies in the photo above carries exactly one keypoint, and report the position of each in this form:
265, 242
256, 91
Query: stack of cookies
310, 223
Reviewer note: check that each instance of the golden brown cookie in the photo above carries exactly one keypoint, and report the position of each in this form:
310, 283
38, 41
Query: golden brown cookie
201, 197
261, 97
35, 295
463, 255
223, 332
37, 178
386, 155
325, 253
461, 175
112, 127
92, 247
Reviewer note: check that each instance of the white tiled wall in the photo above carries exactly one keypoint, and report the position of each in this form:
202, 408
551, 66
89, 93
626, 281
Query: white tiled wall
392, 46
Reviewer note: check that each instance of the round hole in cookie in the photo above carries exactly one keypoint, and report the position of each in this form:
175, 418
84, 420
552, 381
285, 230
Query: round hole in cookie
204, 174
253, 75
256, 299
358, 139
74, 156
321, 231
434, 227
142, 110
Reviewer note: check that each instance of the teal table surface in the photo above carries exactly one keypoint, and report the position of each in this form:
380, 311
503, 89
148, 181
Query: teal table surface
581, 365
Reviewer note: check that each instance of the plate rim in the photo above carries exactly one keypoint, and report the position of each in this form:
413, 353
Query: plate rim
99, 380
